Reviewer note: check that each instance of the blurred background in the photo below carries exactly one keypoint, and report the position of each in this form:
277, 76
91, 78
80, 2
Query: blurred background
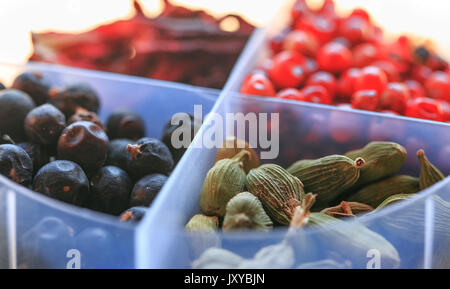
427, 19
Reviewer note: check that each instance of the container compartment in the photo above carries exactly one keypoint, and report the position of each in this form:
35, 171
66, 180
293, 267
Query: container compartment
52, 234
311, 131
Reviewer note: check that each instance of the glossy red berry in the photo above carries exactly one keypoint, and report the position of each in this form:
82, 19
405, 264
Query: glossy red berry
359, 12
365, 99
446, 108
346, 84
389, 69
276, 42
258, 84
302, 42
289, 93
299, 9
364, 54
287, 70
421, 73
334, 57
394, 98
425, 108
415, 89
323, 28
316, 94
324, 79
438, 85
371, 77
356, 29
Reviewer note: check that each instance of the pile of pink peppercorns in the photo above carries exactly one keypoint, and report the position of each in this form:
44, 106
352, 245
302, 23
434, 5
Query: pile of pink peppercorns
326, 58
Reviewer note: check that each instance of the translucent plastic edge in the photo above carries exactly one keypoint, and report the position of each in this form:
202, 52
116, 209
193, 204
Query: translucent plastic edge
115, 77
237, 96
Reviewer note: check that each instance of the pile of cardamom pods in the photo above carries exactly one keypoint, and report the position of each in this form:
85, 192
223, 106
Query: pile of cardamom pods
240, 194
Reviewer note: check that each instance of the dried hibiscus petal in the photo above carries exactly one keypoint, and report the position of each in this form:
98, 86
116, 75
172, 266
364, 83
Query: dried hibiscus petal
180, 45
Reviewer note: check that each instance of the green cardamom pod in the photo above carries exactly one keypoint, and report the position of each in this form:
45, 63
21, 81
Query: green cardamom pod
393, 199
202, 223
223, 181
429, 174
245, 211
232, 146
279, 191
374, 194
383, 159
353, 241
329, 176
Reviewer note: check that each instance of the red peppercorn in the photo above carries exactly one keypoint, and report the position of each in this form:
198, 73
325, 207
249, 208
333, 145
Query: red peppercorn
276, 42
299, 10
287, 69
302, 42
446, 108
389, 69
356, 29
364, 54
289, 93
346, 84
415, 89
438, 85
316, 94
324, 29
425, 108
365, 99
324, 79
359, 12
394, 98
421, 73
371, 77
258, 84
334, 57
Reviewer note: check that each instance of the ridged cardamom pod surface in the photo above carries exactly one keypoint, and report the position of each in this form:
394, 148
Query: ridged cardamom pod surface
429, 174
202, 223
354, 241
393, 199
279, 191
327, 177
202, 234
232, 146
383, 159
244, 211
374, 194
223, 181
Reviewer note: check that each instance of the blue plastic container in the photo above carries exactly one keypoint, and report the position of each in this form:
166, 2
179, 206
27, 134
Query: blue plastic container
39, 232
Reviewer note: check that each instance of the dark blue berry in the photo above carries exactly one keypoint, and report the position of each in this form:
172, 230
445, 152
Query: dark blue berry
63, 180
149, 156
68, 99
37, 153
133, 215
16, 164
34, 84
125, 124
14, 107
117, 153
194, 125
146, 190
110, 190
44, 124
85, 143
